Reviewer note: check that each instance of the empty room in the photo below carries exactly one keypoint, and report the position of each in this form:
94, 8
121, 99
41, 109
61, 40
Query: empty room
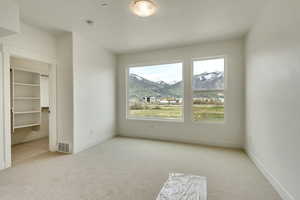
149, 99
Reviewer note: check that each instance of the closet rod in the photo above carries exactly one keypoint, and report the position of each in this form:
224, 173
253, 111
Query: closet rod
44, 75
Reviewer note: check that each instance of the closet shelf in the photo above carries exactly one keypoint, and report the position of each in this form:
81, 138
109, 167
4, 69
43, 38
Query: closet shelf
26, 84
27, 112
27, 98
25, 70
25, 93
26, 125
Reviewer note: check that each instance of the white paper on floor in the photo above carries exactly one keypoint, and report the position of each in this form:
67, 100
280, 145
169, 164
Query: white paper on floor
184, 187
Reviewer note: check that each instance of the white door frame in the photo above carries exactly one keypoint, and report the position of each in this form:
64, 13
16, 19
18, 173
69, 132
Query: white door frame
2, 136
5, 120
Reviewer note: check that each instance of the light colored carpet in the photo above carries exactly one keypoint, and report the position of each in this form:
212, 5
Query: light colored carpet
133, 169
28, 150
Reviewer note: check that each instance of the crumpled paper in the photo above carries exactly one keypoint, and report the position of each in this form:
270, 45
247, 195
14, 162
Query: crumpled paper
184, 187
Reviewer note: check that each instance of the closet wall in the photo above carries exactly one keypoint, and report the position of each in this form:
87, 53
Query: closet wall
35, 68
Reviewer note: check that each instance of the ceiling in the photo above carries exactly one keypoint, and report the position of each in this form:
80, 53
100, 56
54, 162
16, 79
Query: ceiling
177, 22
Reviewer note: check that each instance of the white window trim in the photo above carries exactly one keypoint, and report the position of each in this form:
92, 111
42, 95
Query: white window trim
225, 57
153, 119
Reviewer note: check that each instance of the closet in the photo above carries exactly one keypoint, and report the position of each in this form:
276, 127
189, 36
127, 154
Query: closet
29, 90
26, 99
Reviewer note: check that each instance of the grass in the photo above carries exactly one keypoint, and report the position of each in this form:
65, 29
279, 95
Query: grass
200, 112
208, 112
164, 111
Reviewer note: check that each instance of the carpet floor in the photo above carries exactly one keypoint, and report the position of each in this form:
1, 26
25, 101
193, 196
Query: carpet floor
28, 150
133, 169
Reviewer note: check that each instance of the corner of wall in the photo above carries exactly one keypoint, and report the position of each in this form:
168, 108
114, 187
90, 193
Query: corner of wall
282, 191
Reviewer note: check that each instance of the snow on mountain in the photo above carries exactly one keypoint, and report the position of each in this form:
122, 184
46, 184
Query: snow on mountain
208, 81
139, 86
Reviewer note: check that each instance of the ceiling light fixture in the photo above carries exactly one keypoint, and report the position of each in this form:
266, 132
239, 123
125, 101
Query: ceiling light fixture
143, 8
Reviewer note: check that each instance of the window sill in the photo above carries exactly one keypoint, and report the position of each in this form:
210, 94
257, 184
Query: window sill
155, 120
208, 122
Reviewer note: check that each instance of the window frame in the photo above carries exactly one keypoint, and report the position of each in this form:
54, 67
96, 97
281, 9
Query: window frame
225, 57
154, 119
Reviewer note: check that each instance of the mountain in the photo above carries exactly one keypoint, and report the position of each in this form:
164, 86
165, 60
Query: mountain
209, 81
140, 87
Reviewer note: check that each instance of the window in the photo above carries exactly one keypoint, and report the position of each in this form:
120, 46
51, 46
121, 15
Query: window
155, 92
208, 89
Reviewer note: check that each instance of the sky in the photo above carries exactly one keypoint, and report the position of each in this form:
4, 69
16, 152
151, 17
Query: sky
212, 65
172, 73
169, 73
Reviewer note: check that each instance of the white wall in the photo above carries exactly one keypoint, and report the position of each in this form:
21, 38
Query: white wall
230, 133
64, 89
32, 41
9, 17
94, 93
272, 99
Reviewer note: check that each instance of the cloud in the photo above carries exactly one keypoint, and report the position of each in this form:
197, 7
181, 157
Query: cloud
168, 73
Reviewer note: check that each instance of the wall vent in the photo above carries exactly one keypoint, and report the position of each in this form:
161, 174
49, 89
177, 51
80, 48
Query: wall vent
64, 147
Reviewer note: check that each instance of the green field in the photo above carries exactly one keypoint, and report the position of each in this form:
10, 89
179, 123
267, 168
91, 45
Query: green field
208, 112
200, 112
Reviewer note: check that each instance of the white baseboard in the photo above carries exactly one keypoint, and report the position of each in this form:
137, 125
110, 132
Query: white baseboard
184, 141
94, 143
282, 191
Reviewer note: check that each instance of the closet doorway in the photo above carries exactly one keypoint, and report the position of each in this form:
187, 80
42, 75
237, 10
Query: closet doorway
32, 110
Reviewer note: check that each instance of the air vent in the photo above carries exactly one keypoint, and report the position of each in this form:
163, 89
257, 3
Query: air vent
64, 147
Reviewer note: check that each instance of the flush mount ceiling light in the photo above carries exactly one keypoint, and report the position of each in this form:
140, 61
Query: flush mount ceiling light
143, 8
